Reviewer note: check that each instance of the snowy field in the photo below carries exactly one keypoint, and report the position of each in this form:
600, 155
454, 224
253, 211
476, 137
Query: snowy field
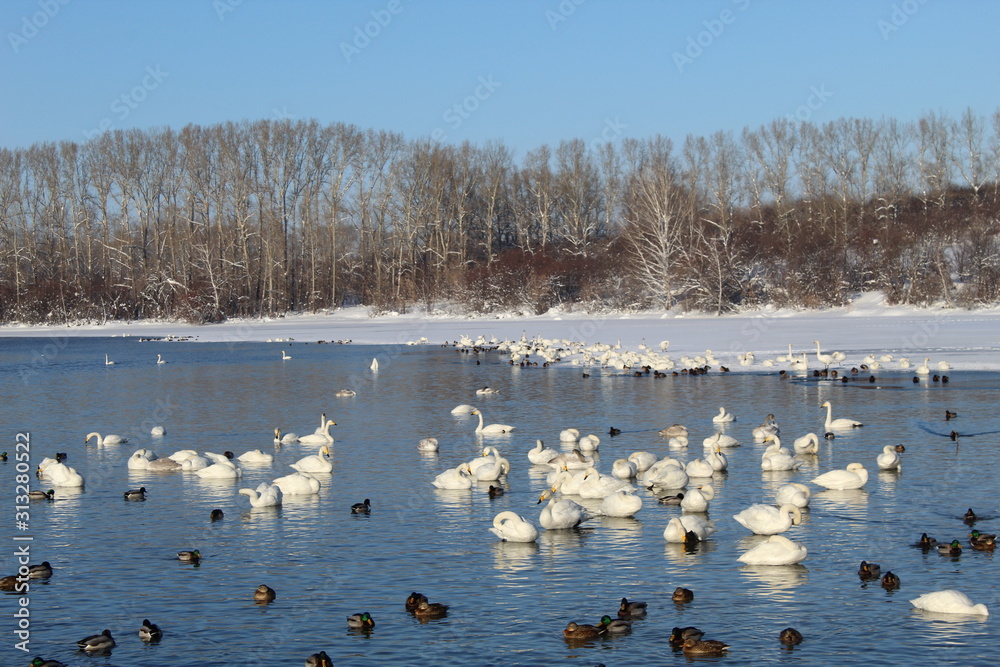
967, 339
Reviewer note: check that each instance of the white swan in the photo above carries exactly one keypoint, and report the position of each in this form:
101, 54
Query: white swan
943, 366
696, 500
678, 527
490, 455
588, 443
723, 417
345, 393
793, 493
567, 482
140, 459
889, 459
574, 460
297, 484
561, 513
110, 439
266, 495
321, 429
824, 359
779, 461
678, 442
486, 391
316, 463
285, 439
769, 520
569, 435
511, 527
319, 439
374, 364
455, 478
841, 423
158, 430
807, 444
492, 469
539, 455
160, 360
284, 357
621, 503
256, 456
427, 445
949, 602
720, 440
596, 485
717, 460
777, 550
643, 460
769, 427
108, 362
219, 469
854, 477
463, 409
491, 429
924, 368
699, 468
666, 476
624, 469
60, 474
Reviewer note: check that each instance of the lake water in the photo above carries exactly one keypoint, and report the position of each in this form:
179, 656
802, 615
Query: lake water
115, 563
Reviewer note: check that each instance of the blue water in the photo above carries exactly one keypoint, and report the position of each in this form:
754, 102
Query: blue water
115, 566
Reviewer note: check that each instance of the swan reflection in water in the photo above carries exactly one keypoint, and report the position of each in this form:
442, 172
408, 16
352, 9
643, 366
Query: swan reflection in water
561, 542
841, 499
887, 480
515, 556
687, 554
775, 580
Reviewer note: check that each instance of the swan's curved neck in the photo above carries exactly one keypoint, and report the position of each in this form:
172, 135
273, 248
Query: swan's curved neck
480, 415
829, 413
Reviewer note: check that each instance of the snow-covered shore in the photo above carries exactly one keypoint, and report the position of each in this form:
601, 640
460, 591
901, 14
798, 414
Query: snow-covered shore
967, 339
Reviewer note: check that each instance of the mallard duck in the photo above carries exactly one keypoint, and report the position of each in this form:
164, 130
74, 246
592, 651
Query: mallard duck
682, 595
890, 582
982, 542
41, 662
40, 571
704, 646
869, 570
671, 500
42, 495
925, 542
320, 659
953, 549
611, 431
495, 491
97, 643
264, 593
415, 601
614, 626
430, 609
949, 415
790, 636
8, 583
362, 508
970, 516
362, 621
189, 556
136, 494
634, 609
217, 515
150, 632
3, 458
679, 635
582, 631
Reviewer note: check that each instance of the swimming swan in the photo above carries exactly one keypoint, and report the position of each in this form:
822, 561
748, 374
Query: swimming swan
777, 550
284, 356
793, 493
454, 479
769, 520
463, 409
678, 527
842, 423
807, 444
511, 527
160, 360
319, 439
110, 439
723, 417
285, 439
491, 429
427, 445
620, 504
266, 495
255, 456
539, 455
854, 477
569, 435
889, 459
561, 513
492, 469
949, 602
297, 484
108, 362
315, 463
696, 500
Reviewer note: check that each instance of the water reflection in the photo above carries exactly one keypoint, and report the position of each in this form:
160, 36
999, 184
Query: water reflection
688, 554
842, 499
515, 556
775, 580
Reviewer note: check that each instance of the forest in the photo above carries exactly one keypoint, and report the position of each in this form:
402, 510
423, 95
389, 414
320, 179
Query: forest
261, 218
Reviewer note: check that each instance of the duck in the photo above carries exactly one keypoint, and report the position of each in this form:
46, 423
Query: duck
853, 477
889, 459
320, 659
614, 626
363, 621
790, 637
264, 593
431, 610
110, 439
41, 570
414, 600
632, 609
485, 391
265, 495
925, 542
136, 494
345, 393
949, 602
841, 423
427, 445
495, 491
869, 570
890, 581
150, 632
723, 417
42, 495
970, 517
41, 662
315, 463
362, 508
562, 513
511, 527
952, 549
582, 631
97, 643
189, 556
777, 550
704, 646
682, 594
491, 429
949, 415
612, 432
678, 528
679, 635
769, 520
217, 515
696, 500
298, 484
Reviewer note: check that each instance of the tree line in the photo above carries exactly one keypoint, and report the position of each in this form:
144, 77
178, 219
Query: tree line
265, 217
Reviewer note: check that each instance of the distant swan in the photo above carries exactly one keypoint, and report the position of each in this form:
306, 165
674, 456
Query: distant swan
824, 359
374, 365
317, 439
723, 417
842, 423
949, 602
463, 409
853, 477
427, 445
924, 368
777, 550
160, 360
109, 439
284, 356
266, 495
769, 520
511, 527
108, 362
491, 429
158, 430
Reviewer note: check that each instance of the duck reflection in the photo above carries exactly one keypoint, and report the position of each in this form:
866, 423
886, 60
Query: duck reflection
687, 553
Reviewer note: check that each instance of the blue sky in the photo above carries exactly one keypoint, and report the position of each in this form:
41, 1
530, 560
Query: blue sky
527, 73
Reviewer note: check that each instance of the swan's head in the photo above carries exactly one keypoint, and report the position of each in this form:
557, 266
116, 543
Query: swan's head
475, 411
825, 404
324, 450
